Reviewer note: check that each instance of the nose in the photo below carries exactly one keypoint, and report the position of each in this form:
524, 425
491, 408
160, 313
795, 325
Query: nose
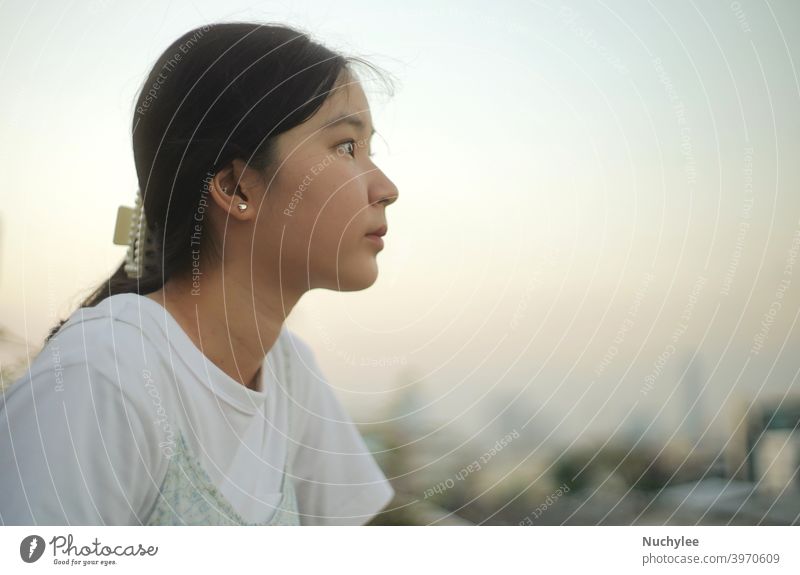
383, 191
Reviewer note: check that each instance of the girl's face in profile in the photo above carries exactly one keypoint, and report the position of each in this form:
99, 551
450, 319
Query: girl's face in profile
327, 195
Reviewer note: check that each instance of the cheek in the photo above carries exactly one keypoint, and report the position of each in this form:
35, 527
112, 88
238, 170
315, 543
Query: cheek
325, 207
338, 207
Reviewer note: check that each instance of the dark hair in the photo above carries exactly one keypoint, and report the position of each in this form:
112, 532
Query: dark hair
218, 93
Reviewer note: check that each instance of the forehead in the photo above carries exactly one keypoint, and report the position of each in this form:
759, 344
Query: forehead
347, 98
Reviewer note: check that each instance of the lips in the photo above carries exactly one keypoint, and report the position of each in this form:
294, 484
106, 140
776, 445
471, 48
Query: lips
381, 231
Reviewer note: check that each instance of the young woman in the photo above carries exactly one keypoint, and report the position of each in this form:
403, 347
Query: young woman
176, 394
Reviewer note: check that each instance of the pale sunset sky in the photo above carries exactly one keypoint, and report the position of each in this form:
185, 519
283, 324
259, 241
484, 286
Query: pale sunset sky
585, 187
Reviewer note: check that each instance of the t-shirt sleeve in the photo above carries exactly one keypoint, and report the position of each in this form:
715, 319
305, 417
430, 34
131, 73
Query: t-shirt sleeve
75, 448
336, 477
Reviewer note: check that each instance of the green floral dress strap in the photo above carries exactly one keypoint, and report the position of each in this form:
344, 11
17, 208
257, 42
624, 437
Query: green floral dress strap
189, 497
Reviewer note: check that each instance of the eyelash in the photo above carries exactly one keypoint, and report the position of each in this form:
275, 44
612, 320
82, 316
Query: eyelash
371, 154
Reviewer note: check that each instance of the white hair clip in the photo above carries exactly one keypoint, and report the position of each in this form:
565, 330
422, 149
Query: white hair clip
131, 229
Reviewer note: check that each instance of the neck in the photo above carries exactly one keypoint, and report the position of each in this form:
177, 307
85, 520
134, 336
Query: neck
233, 324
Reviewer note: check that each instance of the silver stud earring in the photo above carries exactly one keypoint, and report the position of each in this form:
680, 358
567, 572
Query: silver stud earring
242, 206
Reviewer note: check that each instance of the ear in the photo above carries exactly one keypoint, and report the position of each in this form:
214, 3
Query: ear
235, 189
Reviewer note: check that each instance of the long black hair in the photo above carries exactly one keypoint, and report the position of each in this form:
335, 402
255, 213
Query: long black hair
220, 92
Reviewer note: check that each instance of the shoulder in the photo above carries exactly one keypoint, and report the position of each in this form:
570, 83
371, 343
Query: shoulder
299, 345
80, 423
313, 393
116, 317
304, 362
336, 476
99, 352
109, 331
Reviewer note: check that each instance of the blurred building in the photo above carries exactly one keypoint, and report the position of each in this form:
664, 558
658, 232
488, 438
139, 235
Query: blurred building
760, 485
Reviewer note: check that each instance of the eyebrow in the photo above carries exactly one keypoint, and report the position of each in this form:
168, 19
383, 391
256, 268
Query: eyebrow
348, 119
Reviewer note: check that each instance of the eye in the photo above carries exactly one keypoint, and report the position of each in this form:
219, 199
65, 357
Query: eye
350, 147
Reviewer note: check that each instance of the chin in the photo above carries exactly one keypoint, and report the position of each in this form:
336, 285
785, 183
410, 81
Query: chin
357, 277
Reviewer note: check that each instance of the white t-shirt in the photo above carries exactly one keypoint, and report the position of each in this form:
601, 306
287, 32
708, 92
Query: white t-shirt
86, 434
